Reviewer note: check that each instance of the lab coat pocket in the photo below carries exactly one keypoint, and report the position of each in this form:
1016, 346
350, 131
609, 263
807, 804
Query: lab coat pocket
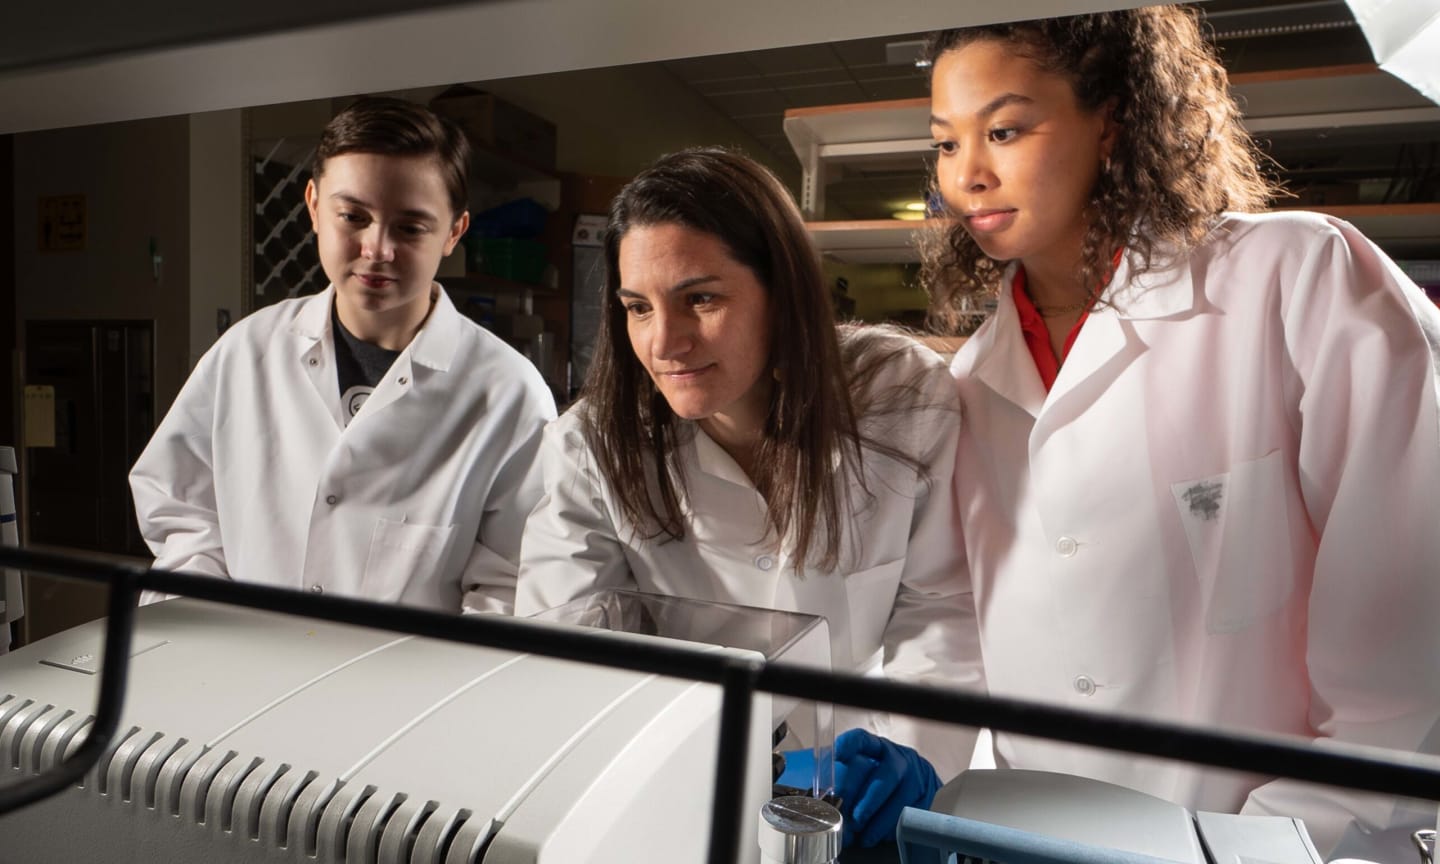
401, 552
871, 596
1238, 528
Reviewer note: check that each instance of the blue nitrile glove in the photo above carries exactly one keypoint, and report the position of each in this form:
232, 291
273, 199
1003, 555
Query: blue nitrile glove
881, 778
799, 771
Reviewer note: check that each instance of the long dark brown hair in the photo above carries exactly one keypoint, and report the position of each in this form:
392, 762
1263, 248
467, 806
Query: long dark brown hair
1181, 156
629, 425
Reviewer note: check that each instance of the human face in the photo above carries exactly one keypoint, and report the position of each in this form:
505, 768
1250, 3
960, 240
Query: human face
382, 224
1018, 155
699, 322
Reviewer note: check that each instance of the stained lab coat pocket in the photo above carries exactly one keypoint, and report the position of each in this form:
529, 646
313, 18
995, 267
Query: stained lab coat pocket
401, 552
871, 596
1238, 528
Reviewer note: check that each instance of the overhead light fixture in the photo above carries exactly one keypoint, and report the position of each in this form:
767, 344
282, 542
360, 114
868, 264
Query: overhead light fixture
909, 215
907, 53
918, 206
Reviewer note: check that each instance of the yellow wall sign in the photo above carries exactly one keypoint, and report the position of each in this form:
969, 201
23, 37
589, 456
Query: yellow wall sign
39, 416
62, 223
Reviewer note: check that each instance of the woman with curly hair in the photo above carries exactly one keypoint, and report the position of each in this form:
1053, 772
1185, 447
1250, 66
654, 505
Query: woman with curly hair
1200, 459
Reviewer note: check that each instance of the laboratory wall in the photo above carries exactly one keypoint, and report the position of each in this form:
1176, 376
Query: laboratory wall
217, 226
134, 179
151, 234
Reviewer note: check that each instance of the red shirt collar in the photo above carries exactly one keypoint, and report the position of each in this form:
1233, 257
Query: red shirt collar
1037, 336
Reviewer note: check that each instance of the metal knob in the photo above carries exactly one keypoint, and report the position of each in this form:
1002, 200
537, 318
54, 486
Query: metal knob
799, 830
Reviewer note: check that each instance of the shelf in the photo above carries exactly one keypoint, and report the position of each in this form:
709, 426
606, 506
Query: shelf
1403, 229
1330, 102
857, 129
492, 165
875, 241
861, 132
513, 177
1314, 100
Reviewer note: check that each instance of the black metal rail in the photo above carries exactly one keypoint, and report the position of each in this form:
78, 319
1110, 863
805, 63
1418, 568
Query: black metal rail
1334, 764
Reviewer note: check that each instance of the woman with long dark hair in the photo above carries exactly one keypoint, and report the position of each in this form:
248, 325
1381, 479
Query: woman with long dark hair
733, 445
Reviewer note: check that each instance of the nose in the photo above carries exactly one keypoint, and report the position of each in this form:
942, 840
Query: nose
672, 335
377, 244
972, 170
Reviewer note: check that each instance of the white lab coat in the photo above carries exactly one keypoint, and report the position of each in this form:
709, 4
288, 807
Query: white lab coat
899, 601
1223, 513
420, 500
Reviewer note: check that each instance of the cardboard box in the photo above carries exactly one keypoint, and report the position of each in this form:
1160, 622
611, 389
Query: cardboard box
496, 125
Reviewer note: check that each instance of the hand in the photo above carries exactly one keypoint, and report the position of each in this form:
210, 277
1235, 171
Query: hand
876, 779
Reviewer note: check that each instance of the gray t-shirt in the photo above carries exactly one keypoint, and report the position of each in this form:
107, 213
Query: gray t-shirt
359, 365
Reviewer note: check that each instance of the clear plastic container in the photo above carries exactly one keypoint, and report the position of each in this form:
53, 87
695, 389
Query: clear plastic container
785, 637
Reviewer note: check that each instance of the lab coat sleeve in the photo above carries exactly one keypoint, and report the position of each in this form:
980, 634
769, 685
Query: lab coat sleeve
173, 483
572, 544
1365, 345
489, 577
932, 636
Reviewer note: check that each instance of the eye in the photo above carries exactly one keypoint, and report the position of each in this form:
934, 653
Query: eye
700, 298
636, 308
413, 230
353, 218
945, 147
1003, 134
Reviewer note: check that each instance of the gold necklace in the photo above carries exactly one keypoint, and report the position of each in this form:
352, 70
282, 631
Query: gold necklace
1057, 311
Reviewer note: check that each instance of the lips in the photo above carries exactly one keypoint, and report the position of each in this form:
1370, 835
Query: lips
375, 280
989, 221
689, 374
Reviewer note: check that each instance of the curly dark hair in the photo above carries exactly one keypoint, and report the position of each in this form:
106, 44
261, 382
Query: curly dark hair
1181, 156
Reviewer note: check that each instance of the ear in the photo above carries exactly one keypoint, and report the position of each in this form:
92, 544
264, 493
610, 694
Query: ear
1109, 130
312, 203
457, 230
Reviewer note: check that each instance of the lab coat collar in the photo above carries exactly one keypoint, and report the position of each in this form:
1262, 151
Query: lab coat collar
313, 322
1004, 362
433, 347
1159, 293
436, 343
712, 459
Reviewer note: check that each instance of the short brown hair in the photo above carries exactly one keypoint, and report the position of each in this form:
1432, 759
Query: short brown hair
394, 127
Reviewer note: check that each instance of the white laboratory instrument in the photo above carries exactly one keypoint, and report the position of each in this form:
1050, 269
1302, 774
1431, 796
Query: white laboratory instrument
1058, 817
250, 736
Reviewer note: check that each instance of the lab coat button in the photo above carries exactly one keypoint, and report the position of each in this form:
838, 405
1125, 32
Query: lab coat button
1066, 546
314, 361
332, 499
404, 380
764, 562
1084, 685
317, 589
